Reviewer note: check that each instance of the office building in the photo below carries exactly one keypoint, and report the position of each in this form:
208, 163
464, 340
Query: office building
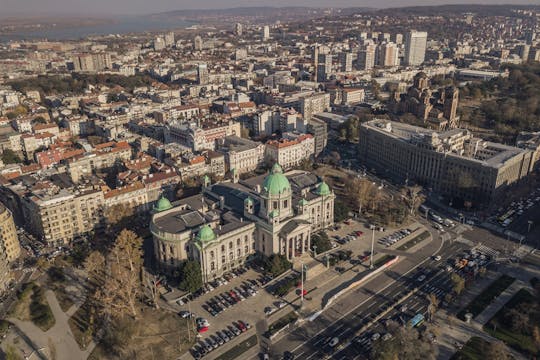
463, 169
266, 32
387, 55
415, 47
197, 43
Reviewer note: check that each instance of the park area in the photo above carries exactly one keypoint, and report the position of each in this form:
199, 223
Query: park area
33, 306
517, 324
486, 297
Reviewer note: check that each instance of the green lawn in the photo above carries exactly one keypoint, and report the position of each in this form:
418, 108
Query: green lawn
237, 351
498, 325
474, 349
281, 323
416, 240
487, 296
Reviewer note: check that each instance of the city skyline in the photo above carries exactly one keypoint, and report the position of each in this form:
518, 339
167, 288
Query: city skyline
140, 7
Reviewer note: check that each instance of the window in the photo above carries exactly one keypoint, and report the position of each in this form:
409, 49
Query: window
285, 204
212, 266
246, 249
211, 254
230, 245
238, 252
238, 241
275, 205
223, 248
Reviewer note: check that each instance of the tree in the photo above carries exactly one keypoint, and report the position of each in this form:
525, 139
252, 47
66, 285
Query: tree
129, 249
118, 216
458, 283
191, 275
341, 210
94, 264
362, 191
152, 283
320, 242
407, 344
497, 351
10, 157
122, 281
413, 197
433, 305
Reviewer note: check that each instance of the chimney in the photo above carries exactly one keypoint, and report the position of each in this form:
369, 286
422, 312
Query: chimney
221, 202
258, 188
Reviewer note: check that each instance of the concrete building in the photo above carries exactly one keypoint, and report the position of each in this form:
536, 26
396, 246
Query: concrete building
9, 241
324, 67
238, 29
203, 77
242, 155
345, 61
266, 32
453, 163
415, 47
198, 43
314, 104
232, 222
318, 129
388, 55
103, 156
291, 150
366, 57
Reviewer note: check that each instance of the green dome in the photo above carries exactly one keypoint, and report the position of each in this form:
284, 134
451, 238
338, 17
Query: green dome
276, 183
323, 189
163, 204
303, 202
248, 200
205, 234
274, 213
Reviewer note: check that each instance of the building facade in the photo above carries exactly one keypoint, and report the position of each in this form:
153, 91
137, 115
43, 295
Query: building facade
230, 222
452, 163
9, 241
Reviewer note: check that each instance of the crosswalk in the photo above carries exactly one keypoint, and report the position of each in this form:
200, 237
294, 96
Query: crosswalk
486, 250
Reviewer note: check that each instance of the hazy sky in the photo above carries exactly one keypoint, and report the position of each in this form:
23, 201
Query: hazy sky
88, 7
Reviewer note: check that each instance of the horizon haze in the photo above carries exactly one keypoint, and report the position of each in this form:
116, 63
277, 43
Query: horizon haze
15, 8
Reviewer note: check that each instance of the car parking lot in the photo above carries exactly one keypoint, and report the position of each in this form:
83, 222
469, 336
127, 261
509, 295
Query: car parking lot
210, 342
394, 237
508, 215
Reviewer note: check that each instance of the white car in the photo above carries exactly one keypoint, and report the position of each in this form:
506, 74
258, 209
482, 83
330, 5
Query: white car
333, 342
438, 258
375, 337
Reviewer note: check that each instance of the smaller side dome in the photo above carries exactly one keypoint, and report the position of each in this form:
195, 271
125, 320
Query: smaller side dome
303, 202
248, 200
274, 214
163, 204
205, 234
323, 189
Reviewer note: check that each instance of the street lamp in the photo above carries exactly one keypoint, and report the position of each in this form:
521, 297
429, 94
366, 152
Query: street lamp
372, 244
314, 251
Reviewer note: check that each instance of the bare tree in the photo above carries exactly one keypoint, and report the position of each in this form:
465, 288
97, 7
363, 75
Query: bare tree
362, 191
122, 281
152, 283
413, 197
94, 264
458, 283
433, 305
116, 215
497, 351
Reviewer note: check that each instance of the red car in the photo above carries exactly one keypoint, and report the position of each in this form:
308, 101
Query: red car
359, 233
202, 329
241, 326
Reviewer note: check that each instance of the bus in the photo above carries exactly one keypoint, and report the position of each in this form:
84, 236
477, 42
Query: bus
417, 320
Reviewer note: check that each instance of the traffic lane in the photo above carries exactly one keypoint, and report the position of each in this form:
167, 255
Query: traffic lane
415, 304
387, 294
347, 329
300, 340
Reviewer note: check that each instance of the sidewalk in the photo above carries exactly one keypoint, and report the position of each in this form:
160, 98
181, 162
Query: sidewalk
59, 339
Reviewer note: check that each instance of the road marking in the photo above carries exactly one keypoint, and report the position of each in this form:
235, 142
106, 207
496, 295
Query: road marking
370, 298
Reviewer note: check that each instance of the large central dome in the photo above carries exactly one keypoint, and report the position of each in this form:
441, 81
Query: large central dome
276, 183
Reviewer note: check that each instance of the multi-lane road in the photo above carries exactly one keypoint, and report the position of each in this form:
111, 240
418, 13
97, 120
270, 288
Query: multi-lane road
351, 313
